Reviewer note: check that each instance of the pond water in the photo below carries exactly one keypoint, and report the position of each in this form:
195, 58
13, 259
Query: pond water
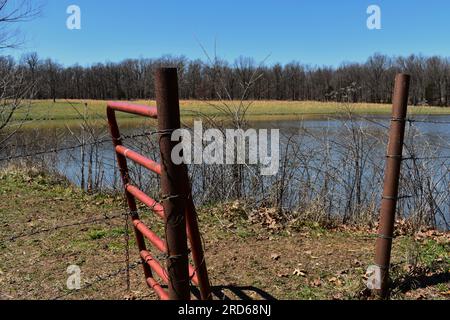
313, 139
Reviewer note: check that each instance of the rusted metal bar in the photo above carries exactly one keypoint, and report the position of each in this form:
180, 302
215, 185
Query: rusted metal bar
155, 265
159, 244
159, 210
139, 159
391, 183
136, 109
122, 162
151, 203
172, 188
162, 294
196, 246
145, 199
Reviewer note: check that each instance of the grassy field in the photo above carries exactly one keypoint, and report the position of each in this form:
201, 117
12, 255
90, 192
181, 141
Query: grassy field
48, 113
46, 226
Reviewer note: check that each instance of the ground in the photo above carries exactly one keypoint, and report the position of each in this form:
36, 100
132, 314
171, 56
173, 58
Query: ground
47, 225
63, 112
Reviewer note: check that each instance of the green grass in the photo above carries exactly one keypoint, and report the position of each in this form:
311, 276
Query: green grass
427, 253
432, 251
70, 112
97, 234
308, 293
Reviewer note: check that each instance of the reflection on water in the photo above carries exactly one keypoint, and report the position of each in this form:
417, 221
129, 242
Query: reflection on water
324, 154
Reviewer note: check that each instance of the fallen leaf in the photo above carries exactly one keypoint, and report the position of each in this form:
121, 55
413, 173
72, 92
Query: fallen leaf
298, 272
275, 256
356, 263
337, 296
316, 282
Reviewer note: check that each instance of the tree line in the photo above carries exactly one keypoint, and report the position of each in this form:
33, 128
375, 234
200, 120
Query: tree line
370, 81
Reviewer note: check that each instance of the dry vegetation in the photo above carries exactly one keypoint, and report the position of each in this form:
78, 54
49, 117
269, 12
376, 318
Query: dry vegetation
250, 254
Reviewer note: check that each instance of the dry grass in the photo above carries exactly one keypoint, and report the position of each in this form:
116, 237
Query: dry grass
245, 260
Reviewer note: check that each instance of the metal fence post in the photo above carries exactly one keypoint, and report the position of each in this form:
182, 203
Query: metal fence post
391, 183
173, 193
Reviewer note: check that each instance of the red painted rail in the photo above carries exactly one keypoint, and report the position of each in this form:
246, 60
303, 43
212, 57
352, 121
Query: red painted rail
155, 265
154, 205
137, 109
162, 294
159, 244
136, 157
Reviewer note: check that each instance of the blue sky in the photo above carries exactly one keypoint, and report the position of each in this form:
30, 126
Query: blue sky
319, 32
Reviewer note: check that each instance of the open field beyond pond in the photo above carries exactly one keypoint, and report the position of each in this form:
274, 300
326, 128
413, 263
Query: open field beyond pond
62, 112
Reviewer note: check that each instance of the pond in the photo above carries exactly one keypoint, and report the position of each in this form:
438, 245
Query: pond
339, 160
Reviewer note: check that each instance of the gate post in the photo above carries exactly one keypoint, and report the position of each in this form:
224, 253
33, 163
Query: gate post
391, 183
173, 193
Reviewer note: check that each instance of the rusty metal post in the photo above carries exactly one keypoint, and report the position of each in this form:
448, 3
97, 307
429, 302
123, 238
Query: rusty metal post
391, 183
174, 197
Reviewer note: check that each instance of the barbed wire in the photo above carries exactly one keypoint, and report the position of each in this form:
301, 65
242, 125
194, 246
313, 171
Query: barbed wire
101, 278
425, 158
63, 226
56, 150
426, 121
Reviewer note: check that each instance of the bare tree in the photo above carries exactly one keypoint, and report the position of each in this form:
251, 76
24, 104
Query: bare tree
13, 89
11, 13
132, 79
14, 86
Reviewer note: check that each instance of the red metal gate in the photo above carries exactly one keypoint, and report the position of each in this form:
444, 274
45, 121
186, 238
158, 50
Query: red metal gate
177, 209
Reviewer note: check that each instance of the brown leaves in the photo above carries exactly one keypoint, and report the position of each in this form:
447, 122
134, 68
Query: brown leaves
335, 281
275, 256
356, 263
309, 253
316, 282
299, 272
234, 210
416, 295
437, 236
269, 218
338, 296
